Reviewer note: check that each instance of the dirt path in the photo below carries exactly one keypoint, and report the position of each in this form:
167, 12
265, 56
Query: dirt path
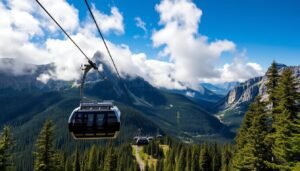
138, 157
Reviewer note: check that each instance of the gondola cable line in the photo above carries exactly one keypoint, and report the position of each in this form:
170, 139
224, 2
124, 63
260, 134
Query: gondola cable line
92, 120
108, 51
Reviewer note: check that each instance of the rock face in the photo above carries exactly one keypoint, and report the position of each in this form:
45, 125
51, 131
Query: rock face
234, 105
243, 92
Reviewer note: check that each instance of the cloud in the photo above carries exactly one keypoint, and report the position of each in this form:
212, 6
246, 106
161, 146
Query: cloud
191, 56
239, 70
29, 35
109, 23
191, 53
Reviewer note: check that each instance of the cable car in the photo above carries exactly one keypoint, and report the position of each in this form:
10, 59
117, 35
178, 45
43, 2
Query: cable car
141, 141
94, 120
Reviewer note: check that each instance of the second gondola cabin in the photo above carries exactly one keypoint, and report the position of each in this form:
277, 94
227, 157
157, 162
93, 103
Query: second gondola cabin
95, 120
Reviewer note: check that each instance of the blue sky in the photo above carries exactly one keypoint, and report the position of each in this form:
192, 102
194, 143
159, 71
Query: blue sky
172, 44
266, 29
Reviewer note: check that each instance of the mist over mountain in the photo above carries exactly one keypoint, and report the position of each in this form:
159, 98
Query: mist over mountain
220, 88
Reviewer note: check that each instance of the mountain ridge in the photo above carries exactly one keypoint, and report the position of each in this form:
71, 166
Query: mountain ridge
234, 105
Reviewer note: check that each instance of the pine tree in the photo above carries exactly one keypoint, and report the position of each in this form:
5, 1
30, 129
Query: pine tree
110, 160
93, 159
194, 158
215, 157
180, 162
272, 85
273, 78
76, 164
68, 166
187, 160
6, 144
226, 158
205, 159
251, 148
44, 149
59, 159
286, 126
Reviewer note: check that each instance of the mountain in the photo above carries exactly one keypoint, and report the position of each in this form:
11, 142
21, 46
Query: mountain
29, 102
220, 88
177, 114
234, 105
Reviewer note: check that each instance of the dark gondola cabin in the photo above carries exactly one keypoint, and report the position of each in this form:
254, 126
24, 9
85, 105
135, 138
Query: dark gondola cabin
141, 141
94, 120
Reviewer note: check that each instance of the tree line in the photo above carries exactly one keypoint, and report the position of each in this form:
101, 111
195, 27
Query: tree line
204, 157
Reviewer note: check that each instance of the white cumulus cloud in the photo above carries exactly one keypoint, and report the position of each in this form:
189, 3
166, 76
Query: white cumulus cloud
192, 57
107, 23
191, 53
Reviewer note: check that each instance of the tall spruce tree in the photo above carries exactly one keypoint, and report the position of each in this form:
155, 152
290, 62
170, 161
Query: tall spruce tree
215, 157
286, 124
45, 155
226, 158
110, 162
180, 162
272, 83
188, 160
93, 159
194, 158
251, 147
76, 164
6, 144
205, 158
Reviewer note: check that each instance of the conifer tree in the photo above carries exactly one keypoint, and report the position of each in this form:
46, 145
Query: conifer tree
180, 163
205, 160
273, 78
215, 157
6, 144
286, 124
110, 160
194, 158
251, 147
226, 158
44, 149
93, 159
68, 165
59, 159
187, 160
76, 164
272, 85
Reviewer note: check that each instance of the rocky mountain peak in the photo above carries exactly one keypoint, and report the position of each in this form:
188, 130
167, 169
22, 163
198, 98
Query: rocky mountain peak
235, 104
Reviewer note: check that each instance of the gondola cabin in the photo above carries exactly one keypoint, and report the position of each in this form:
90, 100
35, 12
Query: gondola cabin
141, 141
95, 120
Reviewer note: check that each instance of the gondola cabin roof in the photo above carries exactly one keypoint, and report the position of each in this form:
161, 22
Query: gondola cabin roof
106, 105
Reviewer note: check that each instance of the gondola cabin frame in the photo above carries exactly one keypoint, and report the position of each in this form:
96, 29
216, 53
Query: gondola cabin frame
95, 120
